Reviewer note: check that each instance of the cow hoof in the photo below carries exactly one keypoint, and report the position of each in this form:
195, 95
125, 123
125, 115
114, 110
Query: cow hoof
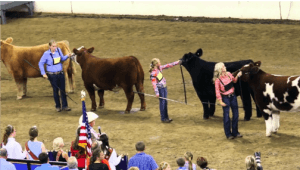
101, 107
268, 134
142, 109
93, 110
127, 112
19, 98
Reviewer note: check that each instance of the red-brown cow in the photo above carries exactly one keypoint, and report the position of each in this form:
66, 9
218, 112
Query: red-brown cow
272, 93
110, 74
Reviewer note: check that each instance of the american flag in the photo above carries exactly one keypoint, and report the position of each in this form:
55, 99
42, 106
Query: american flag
85, 138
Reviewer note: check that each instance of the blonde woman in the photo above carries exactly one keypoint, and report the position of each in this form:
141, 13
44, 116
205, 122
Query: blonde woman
58, 153
188, 156
225, 94
164, 166
160, 86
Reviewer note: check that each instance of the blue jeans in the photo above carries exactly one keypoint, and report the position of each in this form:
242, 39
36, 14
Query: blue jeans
163, 104
58, 80
230, 102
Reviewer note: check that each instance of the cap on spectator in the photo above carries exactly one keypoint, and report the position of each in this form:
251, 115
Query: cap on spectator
91, 116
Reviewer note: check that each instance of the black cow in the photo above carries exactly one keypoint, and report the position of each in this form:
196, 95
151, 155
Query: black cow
202, 71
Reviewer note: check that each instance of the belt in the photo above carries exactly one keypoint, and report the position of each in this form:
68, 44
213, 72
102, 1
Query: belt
159, 86
58, 72
228, 95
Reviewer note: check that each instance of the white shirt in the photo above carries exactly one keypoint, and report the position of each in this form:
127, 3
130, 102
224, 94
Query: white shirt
114, 160
14, 149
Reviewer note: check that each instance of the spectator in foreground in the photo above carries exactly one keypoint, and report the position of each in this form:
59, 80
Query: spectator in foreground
180, 162
202, 163
164, 166
110, 153
253, 163
72, 163
33, 146
58, 153
133, 168
78, 151
96, 161
13, 148
142, 160
44, 159
5, 165
188, 156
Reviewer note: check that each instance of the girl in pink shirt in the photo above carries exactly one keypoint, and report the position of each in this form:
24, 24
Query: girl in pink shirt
160, 86
225, 95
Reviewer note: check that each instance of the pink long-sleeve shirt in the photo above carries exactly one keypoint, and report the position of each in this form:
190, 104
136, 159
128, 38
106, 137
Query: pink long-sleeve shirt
163, 82
220, 87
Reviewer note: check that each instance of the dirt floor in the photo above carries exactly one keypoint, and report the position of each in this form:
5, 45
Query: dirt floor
276, 45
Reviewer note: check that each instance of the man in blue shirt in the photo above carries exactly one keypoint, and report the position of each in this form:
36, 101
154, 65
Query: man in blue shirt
44, 159
4, 165
53, 58
142, 160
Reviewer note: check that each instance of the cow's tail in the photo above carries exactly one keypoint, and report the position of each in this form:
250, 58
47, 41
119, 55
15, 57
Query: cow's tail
139, 70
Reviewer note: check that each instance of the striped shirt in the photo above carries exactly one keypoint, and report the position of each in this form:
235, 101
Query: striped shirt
142, 161
220, 87
156, 72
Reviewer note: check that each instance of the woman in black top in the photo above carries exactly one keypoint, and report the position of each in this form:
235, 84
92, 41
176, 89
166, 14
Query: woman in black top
96, 160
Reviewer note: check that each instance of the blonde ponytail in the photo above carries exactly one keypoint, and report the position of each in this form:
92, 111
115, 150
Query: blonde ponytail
189, 156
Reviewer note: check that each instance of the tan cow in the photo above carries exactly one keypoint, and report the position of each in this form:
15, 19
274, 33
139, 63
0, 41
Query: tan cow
17, 58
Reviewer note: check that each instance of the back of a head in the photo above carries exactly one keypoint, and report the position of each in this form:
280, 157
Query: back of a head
72, 163
43, 157
134, 168
57, 143
33, 132
140, 146
202, 162
104, 140
250, 163
163, 165
180, 162
189, 157
3, 153
96, 154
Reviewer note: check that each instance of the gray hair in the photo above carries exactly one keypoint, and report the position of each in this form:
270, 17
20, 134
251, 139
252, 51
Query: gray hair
3, 152
72, 163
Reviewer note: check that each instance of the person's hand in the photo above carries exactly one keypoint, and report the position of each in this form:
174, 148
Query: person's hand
222, 104
239, 74
69, 55
45, 76
157, 96
180, 62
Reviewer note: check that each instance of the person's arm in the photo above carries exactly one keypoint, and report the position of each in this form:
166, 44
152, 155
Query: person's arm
153, 81
170, 65
234, 79
18, 151
43, 61
218, 93
63, 58
44, 148
154, 165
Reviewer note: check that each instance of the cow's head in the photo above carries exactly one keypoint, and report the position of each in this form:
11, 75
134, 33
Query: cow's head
190, 56
78, 53
249, 70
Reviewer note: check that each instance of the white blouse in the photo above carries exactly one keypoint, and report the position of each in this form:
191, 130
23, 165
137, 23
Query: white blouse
114, 160
14, 149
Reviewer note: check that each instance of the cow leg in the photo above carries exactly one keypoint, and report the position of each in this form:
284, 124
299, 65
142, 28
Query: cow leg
91, 92
212, 106
140, 88
205, 102
67, 84
101, 94
20, 87
24, 87
275, 122
258, 112
130, 96
268, 119
246, 99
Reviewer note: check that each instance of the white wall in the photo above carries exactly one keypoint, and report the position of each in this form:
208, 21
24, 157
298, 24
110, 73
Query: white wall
221, 9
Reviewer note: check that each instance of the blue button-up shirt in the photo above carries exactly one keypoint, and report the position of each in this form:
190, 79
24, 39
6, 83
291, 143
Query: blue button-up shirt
6, 165
49, 61
47, 167
142, 161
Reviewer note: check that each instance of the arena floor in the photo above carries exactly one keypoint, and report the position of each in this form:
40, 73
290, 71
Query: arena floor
276, 45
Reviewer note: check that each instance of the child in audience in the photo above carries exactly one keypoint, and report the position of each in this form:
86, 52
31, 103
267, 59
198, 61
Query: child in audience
180, 163
58, 153
164, 166
202, 163
188, 156
33, 146
13, 148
